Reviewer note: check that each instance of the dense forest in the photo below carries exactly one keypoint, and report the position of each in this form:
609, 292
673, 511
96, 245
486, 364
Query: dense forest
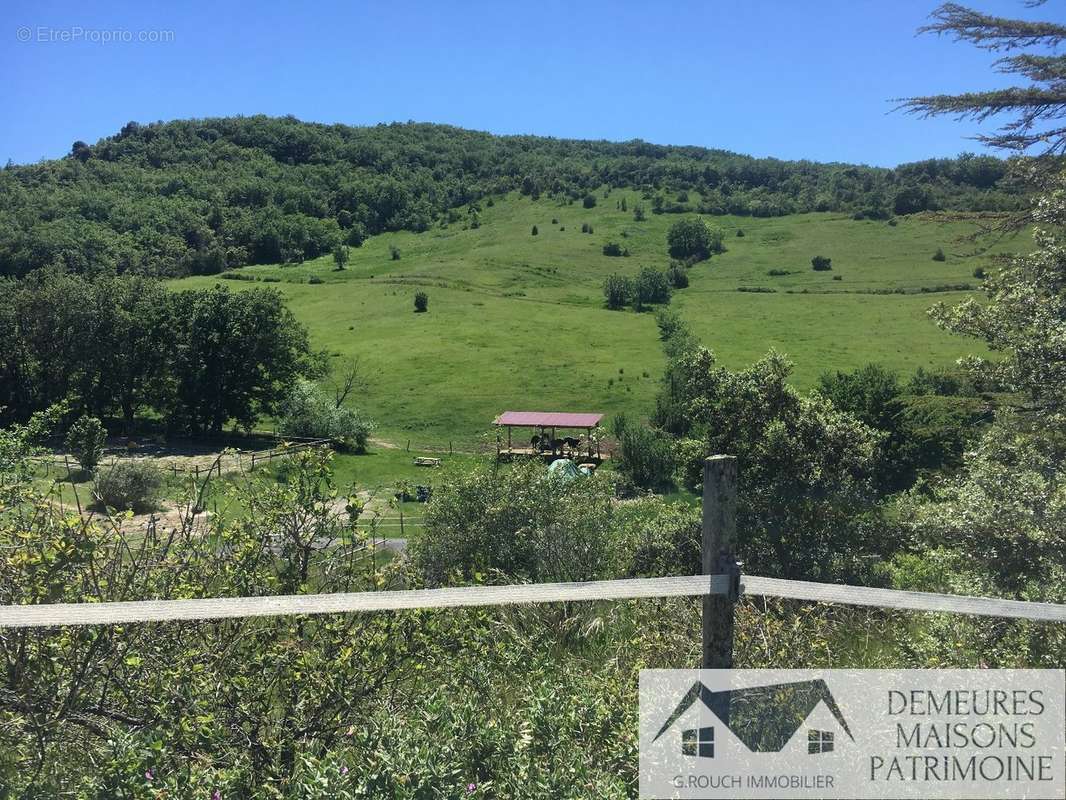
201, 195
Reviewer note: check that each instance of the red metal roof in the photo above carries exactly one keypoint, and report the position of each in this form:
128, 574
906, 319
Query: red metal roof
549, 419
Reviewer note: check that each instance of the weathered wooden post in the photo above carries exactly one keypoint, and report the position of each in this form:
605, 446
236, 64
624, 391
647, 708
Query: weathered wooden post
719, 544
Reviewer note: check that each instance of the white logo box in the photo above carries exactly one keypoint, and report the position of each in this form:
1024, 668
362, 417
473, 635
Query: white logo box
966, 734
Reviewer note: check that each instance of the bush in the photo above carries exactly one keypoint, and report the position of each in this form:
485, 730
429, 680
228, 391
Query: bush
693, 239
644, 455
129, 485
589, 201
775, 273
939, 255
838, 277
740, 233
315, 279
555, 221
584, 227
308, 412
394, 252
421, 302
612, 249
678, 276
85, 440
618, 290
534, 232
651, 286
638, 213
522, 522
821, 263
979, 273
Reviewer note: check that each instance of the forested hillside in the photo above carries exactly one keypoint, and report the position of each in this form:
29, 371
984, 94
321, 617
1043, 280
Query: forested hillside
197, 196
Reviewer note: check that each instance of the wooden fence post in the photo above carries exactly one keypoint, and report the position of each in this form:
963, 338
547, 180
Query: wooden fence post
719, 543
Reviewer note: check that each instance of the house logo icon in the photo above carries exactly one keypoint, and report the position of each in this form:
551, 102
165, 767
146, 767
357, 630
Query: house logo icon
764, 718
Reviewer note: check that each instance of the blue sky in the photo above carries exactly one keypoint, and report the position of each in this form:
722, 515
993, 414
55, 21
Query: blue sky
785, 79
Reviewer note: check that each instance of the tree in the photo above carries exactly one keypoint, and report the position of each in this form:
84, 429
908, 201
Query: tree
939, 255
650, 286
85, 439
821, 263
638, 213
693, 240
421, 301
340, 256
534, 231
618, 290
589, 200
237, 355
612, 249
805, 468
1035, 108
394, 252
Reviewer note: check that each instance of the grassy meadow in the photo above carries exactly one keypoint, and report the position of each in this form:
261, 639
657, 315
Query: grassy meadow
517, 321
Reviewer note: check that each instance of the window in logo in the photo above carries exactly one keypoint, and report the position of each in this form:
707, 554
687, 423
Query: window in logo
698, 742
819, 741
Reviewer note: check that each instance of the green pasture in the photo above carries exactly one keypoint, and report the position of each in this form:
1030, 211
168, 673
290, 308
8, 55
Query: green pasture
516, 321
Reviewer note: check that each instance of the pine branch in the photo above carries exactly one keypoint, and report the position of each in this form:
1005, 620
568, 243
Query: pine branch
992, 33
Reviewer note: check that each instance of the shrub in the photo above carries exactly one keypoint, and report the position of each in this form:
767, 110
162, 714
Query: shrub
693, 239
589, 201
612, 249
308, 412
821, 263
315, 279
979, 273
584, 227
939, 255
740, 233
85, 440
590, 229
618, 290
129, 485
555, 221
421, 302
775, 273
838, 277
651, 286
644, 455
394, 252
638, 213
534, 232
677, 275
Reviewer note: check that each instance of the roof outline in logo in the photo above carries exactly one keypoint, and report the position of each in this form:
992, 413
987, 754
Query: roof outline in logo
763, 717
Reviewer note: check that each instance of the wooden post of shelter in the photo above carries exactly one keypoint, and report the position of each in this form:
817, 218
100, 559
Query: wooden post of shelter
718, 557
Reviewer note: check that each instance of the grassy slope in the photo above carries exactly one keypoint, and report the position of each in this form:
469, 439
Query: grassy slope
517, 321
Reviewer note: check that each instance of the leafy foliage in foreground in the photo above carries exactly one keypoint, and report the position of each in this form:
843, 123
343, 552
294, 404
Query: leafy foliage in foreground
197, 196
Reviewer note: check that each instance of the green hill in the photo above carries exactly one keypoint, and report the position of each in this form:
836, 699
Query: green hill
518, 321
197, 196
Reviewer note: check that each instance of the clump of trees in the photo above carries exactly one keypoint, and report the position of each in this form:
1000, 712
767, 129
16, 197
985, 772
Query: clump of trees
693, 240
123, 346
